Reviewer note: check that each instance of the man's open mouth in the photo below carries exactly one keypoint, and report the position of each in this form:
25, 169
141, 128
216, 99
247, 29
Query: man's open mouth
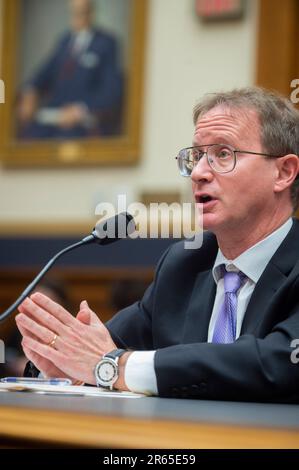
204, 198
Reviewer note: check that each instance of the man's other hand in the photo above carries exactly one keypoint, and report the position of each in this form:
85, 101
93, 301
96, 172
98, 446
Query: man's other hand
79, 342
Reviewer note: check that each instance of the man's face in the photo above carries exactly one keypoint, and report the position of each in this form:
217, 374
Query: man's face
81, 14
245, 194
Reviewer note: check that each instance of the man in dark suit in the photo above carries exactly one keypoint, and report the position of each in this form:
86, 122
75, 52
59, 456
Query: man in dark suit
77, 92
220, 321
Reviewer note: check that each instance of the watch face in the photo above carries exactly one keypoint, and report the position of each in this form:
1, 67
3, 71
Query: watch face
107, 371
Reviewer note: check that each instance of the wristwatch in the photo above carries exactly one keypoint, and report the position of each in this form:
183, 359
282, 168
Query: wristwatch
106, 371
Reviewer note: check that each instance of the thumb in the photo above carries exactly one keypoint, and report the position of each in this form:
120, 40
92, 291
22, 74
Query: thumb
86, 315
83, 316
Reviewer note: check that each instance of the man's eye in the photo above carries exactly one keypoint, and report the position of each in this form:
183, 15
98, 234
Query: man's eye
188, 163
197, 155
222, 154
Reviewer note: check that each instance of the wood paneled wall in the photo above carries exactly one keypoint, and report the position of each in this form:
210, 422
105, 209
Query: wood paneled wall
102, 288
277, 45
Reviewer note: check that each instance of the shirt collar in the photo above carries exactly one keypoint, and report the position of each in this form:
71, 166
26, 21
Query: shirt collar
82, 40
253, 261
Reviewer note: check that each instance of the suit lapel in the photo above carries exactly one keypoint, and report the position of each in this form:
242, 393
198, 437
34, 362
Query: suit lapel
200, 309
274, 276
263, 298
201, 302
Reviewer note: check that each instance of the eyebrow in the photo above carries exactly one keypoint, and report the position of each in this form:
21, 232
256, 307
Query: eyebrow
221, 140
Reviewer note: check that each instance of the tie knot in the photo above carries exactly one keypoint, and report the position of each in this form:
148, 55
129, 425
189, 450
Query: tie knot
233, 280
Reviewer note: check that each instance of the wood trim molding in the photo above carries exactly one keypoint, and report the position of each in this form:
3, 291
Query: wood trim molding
50, 229
52, 426
84, 227
277, 44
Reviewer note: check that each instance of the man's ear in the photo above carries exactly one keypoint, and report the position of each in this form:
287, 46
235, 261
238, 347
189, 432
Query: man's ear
287, 171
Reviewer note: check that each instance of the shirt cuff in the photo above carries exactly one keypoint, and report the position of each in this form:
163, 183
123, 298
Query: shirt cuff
140, 376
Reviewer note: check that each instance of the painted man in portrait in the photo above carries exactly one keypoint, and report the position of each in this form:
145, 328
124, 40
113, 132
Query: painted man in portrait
77, 91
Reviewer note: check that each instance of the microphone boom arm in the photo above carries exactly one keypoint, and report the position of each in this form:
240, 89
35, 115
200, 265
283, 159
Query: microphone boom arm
100, 235
32, 285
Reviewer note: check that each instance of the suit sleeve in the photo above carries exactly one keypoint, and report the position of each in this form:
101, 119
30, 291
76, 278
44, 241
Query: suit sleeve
46, 74
250, 369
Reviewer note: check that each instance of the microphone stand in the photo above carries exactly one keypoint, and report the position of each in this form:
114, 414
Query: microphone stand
89, 239
98, 235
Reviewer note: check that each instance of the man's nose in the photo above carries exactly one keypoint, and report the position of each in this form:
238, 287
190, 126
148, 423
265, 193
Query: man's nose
202, 170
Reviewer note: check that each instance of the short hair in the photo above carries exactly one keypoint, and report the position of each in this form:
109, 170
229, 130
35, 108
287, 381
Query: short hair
278, 118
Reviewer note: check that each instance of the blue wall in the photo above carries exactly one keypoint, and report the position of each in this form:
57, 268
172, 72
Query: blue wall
30, 252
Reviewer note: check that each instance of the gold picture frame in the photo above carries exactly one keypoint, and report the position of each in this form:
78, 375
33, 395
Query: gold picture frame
123, 149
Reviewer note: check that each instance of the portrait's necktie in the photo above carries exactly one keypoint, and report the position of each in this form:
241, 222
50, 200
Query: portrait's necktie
69, 63
225, 327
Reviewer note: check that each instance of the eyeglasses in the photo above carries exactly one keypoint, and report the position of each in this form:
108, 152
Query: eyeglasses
222, 158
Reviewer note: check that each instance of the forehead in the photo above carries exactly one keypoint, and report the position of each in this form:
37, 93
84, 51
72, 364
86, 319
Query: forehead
231, 124
80, 5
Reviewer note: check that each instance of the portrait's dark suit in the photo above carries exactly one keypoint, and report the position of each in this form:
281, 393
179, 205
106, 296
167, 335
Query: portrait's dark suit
92, 77
173, 318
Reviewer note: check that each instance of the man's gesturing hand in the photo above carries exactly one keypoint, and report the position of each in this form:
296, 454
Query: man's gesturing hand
80, 342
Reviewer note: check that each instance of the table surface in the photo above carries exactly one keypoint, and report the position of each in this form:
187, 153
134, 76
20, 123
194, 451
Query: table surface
147, 422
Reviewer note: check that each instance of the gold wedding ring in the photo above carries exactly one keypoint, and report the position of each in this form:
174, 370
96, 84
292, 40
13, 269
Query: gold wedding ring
51, 344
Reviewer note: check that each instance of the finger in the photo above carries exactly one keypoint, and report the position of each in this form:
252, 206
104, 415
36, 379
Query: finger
83, 315
53, 308
70, 345
90, 314
37, 360
83, 304
89, 339
69, 342
70, 366
41, 316
22, 309
25, 332
42, 335
30, 356
47, 352
39, 331
40, 362
46, 367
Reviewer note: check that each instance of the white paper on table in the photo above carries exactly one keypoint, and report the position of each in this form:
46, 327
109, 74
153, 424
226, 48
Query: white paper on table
67, 390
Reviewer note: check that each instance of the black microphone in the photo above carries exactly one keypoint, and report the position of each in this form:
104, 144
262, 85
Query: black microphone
105, 232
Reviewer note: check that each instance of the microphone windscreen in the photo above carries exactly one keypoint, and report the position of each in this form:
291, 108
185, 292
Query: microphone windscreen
113, 229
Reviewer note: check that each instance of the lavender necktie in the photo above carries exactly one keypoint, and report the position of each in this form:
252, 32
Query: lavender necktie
225, 327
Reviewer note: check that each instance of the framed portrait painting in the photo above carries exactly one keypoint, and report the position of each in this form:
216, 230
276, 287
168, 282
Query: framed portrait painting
73, 75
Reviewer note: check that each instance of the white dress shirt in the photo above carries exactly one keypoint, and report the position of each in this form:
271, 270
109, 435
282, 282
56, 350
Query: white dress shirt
140, 372
81, 41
